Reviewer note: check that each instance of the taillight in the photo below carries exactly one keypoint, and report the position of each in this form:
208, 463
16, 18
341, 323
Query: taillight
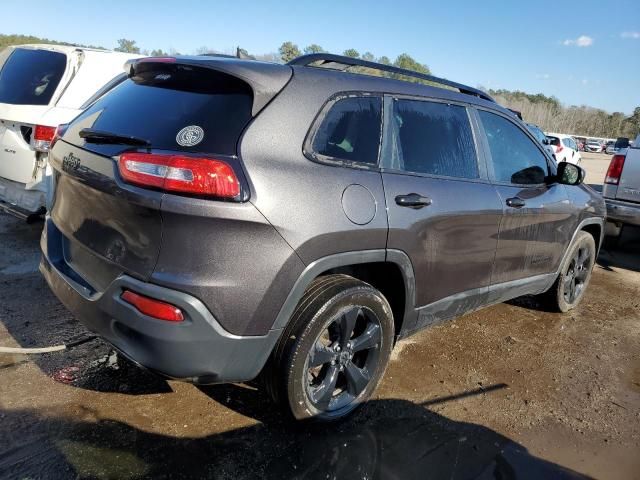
42, 137
152, 307
560, 147
59, 132
615, 170
179, 173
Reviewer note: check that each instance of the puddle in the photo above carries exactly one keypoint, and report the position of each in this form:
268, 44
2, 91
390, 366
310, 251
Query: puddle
27, 266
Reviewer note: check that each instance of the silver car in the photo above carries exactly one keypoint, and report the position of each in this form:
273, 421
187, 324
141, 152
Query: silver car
622, 188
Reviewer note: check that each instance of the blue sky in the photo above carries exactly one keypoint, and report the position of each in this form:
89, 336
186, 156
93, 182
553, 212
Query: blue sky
583, 52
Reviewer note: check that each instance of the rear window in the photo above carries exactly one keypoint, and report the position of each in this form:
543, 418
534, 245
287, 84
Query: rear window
555, 141
29, 77
622, 142
173, 107
350, 131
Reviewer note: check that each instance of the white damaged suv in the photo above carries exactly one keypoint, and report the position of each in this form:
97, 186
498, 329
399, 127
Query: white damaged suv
42, 86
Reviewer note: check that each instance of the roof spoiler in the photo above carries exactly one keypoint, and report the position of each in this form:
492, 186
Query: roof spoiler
265, 79
329, 60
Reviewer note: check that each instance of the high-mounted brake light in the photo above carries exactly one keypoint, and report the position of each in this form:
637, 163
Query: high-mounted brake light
152, 307
179, 173
42, 136
615, 170
157, 60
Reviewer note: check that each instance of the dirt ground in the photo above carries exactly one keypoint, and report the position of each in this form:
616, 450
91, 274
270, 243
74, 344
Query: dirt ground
509, 392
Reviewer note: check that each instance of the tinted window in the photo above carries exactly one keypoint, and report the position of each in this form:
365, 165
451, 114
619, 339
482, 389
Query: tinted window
539, 134
29, 77
351, 130
555, 141
622, 142
156, 104
433, 138
515, 158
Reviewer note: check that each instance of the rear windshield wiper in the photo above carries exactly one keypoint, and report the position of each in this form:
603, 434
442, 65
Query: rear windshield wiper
99, 136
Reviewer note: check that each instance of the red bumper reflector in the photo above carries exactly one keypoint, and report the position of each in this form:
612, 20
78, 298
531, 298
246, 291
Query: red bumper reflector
152, 307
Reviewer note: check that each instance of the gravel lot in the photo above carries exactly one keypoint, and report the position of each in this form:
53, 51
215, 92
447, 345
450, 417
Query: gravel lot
596, 165
511, 389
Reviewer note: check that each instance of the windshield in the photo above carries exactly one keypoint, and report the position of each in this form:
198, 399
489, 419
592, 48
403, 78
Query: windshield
29, 77
539, 134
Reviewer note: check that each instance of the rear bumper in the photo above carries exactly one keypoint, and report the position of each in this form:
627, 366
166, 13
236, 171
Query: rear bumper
623, 212
197, 350
17, 200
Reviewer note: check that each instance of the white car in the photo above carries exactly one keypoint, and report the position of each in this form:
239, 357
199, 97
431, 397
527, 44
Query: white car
594, 146
565, 148
42, 86
541, 137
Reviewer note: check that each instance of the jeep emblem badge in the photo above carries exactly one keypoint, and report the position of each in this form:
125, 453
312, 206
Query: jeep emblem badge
70, 162
190, 136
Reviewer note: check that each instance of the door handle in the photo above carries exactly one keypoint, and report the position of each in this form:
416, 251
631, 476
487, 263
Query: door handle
515, 202
413, 200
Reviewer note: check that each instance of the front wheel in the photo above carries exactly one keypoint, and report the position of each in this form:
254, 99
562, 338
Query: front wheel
334, 351
575, 274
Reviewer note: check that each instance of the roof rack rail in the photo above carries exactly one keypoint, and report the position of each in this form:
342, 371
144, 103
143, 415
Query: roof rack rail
328, 58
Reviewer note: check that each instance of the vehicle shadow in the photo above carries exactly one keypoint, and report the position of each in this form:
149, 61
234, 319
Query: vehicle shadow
34, 317
622, 252
385, 439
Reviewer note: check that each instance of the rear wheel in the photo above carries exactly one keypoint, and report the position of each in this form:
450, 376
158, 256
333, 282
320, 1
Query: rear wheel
335, 350
575, 274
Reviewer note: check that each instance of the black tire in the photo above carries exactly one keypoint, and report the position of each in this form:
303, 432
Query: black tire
334, 351
575, 274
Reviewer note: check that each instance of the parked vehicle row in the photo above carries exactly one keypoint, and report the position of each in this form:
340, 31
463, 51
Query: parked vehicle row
292, 222
42, 86
594, 146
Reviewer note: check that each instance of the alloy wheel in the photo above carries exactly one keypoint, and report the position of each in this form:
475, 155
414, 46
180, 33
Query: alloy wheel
577, 274
343, 358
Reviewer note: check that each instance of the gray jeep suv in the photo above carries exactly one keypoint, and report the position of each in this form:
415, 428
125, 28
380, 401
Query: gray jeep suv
218, 219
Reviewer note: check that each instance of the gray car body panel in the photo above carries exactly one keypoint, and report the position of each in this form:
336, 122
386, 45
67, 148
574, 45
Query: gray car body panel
623, 199
248, 264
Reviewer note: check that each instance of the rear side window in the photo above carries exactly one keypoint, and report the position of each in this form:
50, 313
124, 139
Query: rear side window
515, 157
29, 77
555, 141
173, 107
350, 131
433, 138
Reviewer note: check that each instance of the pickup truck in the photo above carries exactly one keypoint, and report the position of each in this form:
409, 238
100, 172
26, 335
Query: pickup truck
621, 190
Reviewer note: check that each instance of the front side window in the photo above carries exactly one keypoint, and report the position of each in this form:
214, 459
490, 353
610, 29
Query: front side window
515, 157
432, 138
350, 131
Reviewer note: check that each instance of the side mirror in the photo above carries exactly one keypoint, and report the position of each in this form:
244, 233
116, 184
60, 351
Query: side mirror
570, 174
546, 141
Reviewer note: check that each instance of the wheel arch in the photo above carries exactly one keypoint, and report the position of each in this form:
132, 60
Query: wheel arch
592, 225
389, 271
